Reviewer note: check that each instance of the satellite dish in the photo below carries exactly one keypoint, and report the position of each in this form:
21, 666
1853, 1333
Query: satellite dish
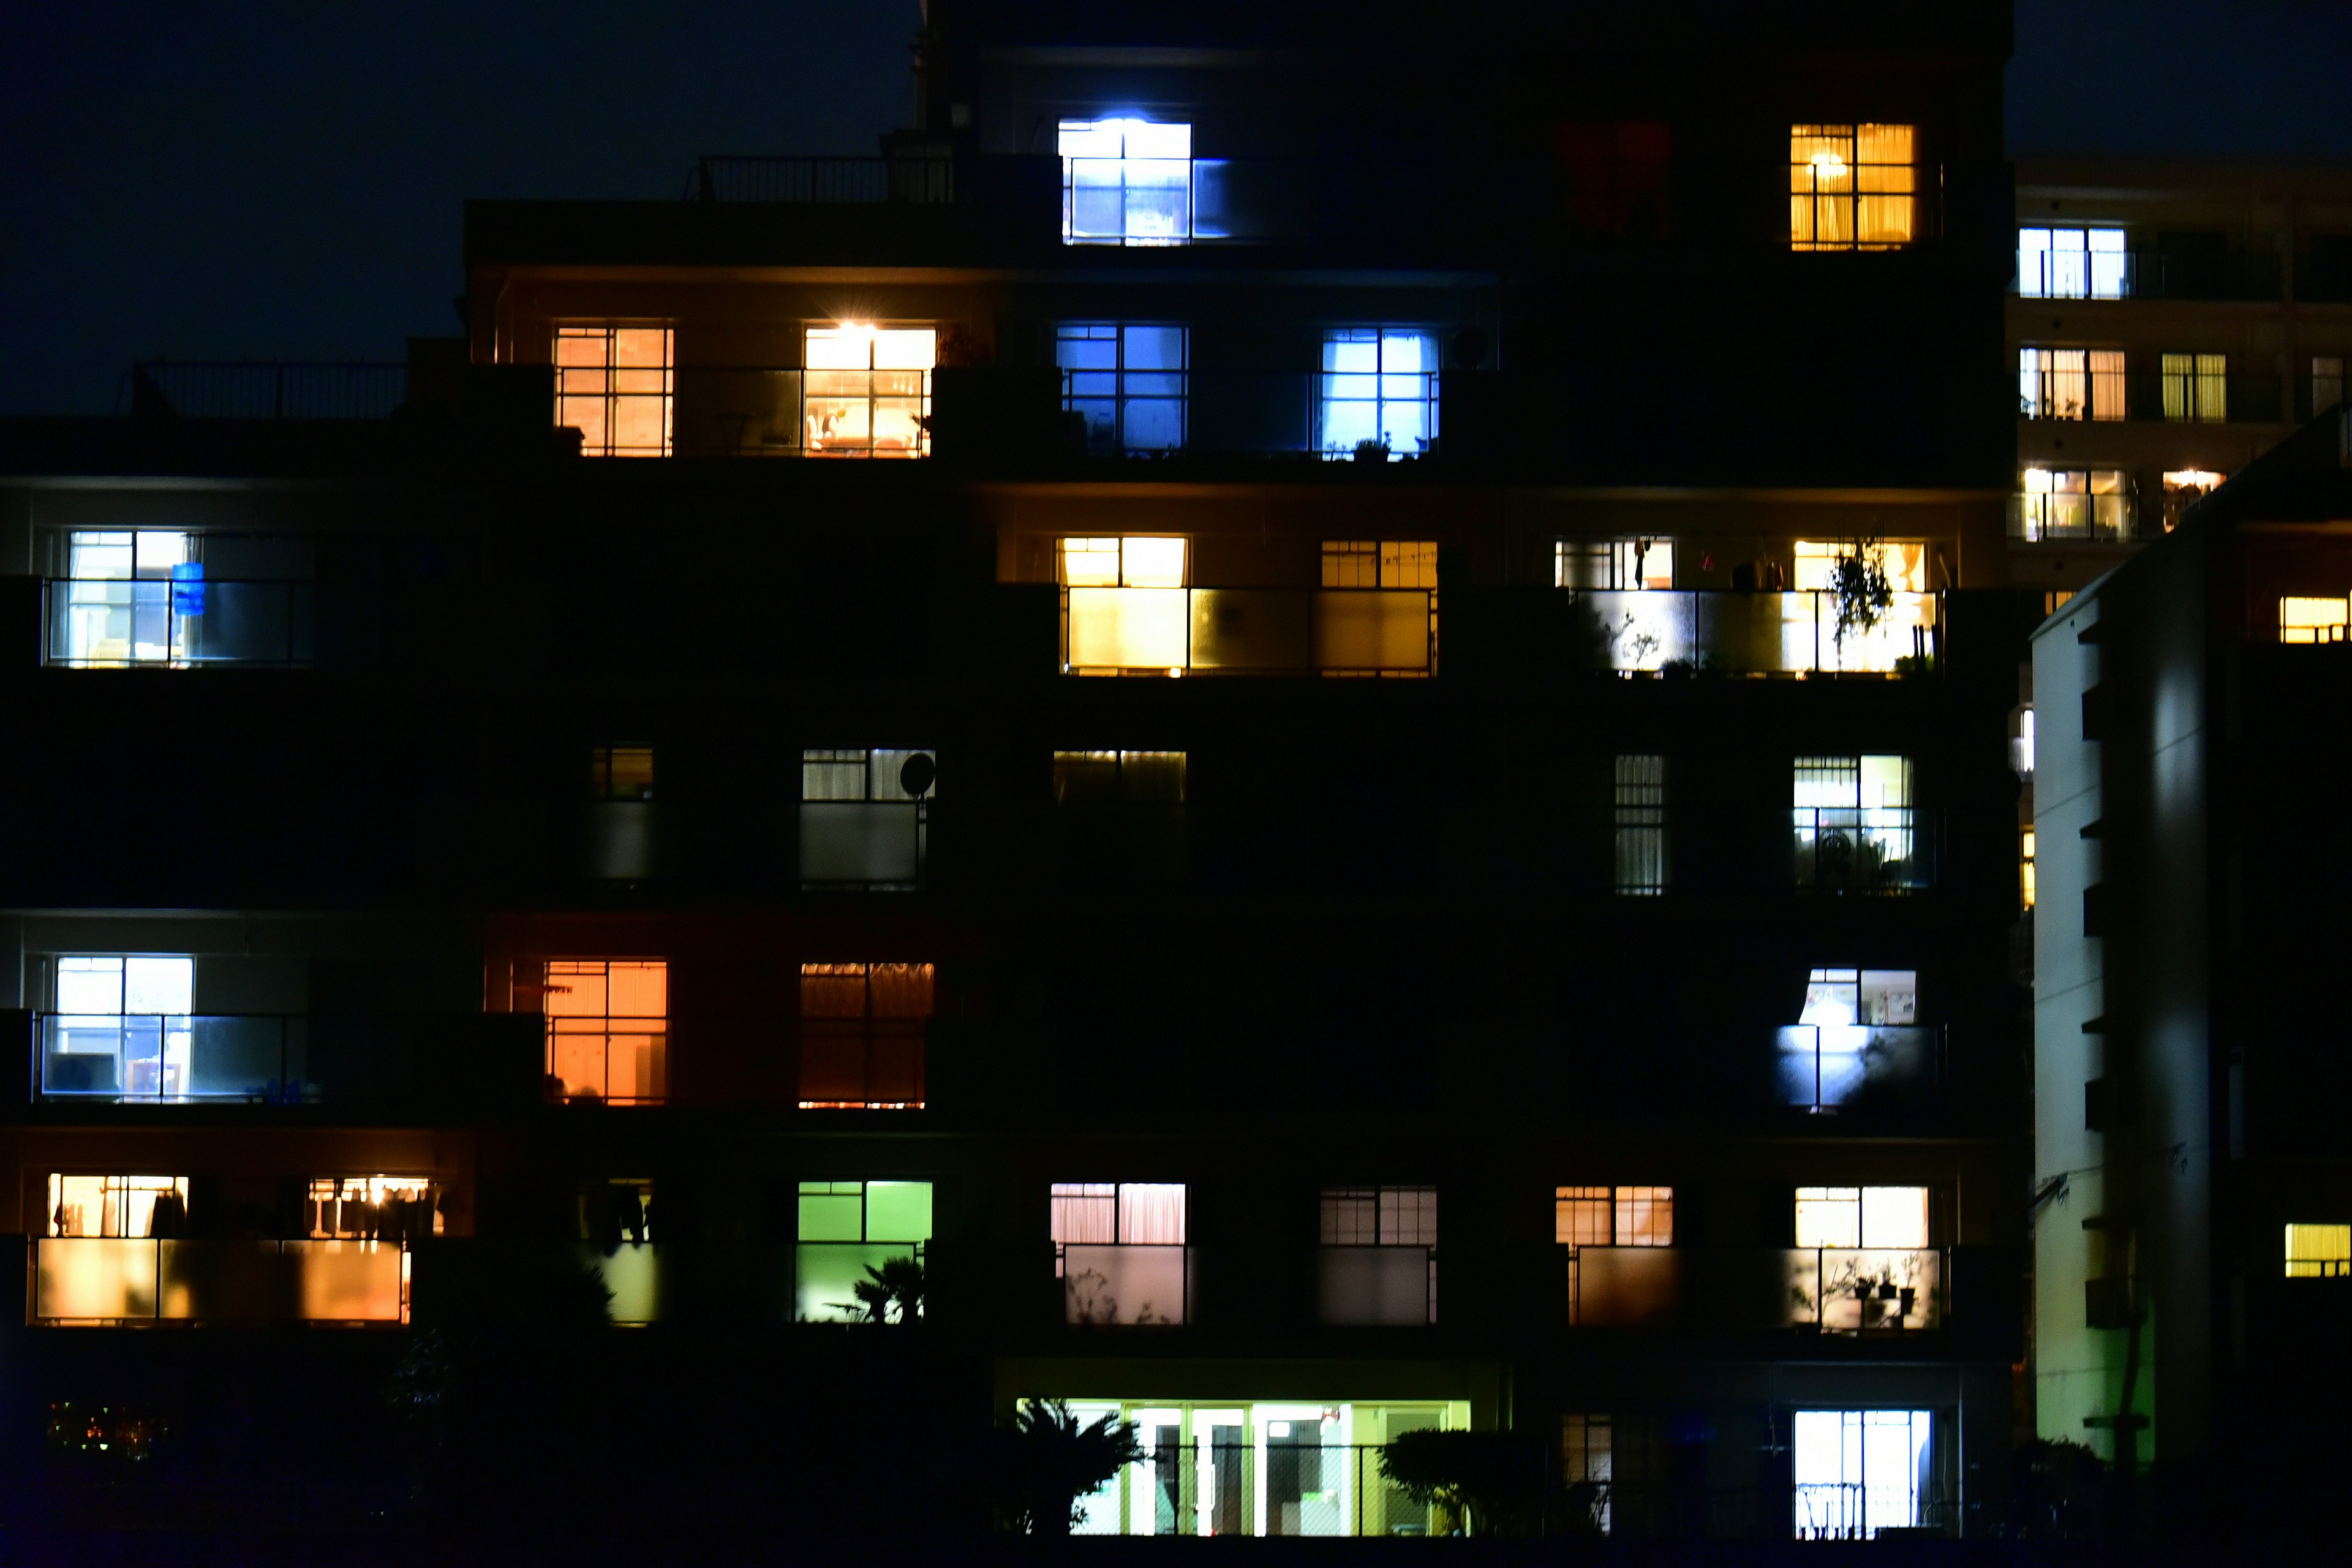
918, 773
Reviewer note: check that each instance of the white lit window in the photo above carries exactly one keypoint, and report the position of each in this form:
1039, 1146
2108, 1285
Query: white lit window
1379, 390
2071, 264
2070, 383
1872, 996
865, 391
2073, 503
612, 386
1130, 561
1126, 181
1613, 563
1887, 1218
128, 598
1859, 1471
1128, 380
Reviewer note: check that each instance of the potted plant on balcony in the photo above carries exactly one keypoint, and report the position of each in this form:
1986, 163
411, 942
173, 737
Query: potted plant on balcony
1858, 582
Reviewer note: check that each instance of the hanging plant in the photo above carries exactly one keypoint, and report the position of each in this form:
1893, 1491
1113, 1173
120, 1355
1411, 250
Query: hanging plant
1858, 578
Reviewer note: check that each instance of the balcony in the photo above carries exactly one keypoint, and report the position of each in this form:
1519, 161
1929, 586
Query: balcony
110, 1279
1864, 849
1826, 1068
2148, 274
1393, 1287
1672, 631
1248, 631
826, 1274
117, 624
1853, 1292
2045, 515
184, 1059
1131, 1283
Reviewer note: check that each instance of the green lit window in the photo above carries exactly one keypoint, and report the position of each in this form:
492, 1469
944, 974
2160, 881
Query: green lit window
861, 1251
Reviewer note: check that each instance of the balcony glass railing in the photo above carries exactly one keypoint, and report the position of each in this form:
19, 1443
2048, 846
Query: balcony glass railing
1249, 631
1126, 1284
1864, 849
175, 1058
1746, 634
826, 1274
1389, 1285
1850, 1290
88, 1279
1225, 1483
117, 624
2035, 516
1828, 1066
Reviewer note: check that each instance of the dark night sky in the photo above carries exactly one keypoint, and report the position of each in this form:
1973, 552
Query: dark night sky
281, 179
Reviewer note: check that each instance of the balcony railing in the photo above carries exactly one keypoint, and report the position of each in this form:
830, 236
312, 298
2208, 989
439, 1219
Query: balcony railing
1840, 1290
2145, 275
120, 624
1389, 1285
2039, 515
872, 1063
1826, 1067
223, 389
1864, 849
1658, 631
1230, 1485
175, 1059
122, 1280
873, 845
822, 180
1248, 631
1126, 1284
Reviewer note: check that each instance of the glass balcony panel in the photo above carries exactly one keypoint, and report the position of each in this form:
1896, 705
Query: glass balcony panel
1250, 628
347, 1281
85, 1279
864, 843
1371, 628
1376, 1285
1626, 1287
826, 1273
1128, 629
632, 1272
1125, 1284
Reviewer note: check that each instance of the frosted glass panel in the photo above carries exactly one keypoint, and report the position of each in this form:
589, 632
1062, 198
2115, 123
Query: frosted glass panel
94, 1277
1125, 1284
1128, 629
1375, 1285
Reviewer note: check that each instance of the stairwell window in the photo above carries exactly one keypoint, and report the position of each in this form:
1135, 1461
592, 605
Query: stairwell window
1851, 187
2070, 383
1127, 380
1379, 392
1126, 181
2196, 387
1640, 825
613, 385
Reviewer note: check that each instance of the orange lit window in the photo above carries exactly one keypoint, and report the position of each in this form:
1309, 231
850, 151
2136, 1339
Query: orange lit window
866, 391
612, 386
862, 1029
607, 1030
2304, 620
1851, 187
2025, 866
1614, 1216
620, 772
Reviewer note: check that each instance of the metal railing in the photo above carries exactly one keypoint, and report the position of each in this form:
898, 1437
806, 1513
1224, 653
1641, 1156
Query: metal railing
267, 389
2146, 275
1825, 1067
1265, 1487
1249, 631
2038, 515
1864, 849
822, 181
1664, 631
120, 624
174, 1058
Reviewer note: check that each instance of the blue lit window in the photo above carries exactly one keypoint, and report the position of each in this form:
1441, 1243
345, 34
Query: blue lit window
1126, 181
1380, 387
1128, 380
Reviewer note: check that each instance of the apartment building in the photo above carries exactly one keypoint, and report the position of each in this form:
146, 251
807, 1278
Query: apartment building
2190, 1235
1190, 745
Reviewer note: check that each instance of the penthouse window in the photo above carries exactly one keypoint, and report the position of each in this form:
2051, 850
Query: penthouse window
1127, 380
862, 1027
2319, 1251
1126, 181
864, 822
2071, 263
1613, 563
2070, 383
1378, 395
1638, 827
1851, 187
2196, 387
1119, 1249
1378, 1258
607, 1030
865, 391
613, 385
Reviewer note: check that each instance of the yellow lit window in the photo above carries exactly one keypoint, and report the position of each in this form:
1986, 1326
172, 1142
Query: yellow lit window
2070, 383
2319, 1251
1380, 563
2055, 600
2025, 866
2197, 387
1124, 604
1905, 566
1127, 563
607, 1029
612, 386
865, 391
1851, 187
118, 1205
2312, 620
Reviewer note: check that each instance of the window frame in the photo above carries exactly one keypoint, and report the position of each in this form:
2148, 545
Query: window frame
654, 1030
1845, 206
867, 1036
1125, 380
2196, 387
2110, 282
610, 395
1332, 395
1127, 128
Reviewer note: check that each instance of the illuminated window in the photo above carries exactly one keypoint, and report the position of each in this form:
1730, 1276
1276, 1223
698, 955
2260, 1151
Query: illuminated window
2025, 866
1119, 778
1613, 563
1619, 1288
1127, 381
2306, 620
1851, 187
860, 1252
123, 1030
1862, 1216
1379, 390
607, 1029
1126, 181
612, 386
2073, 503
617, 1209
1119, 1251
2021, 748
1124, 605
620, 772
371, 1209
865, 817
1614, 1216
1858, 1472
865, 391
1132, 562
1857, 1031
1855, 830
128, 599
2070, 383
118, 1205
1378, 1262
1379, 1216
1846, 996
1813, 563
2327, 382
2319, 1251
2055, 600
1640, 825
2184, 488
2196, 387
862, 1028
1380, 563
2071, 263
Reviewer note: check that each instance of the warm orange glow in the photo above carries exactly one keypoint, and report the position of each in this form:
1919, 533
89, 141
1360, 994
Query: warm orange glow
607, 1029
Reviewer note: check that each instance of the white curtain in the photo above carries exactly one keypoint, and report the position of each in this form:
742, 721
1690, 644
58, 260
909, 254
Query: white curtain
1152, 1214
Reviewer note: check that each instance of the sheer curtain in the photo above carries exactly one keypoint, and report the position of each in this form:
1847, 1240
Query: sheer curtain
1152, 1214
